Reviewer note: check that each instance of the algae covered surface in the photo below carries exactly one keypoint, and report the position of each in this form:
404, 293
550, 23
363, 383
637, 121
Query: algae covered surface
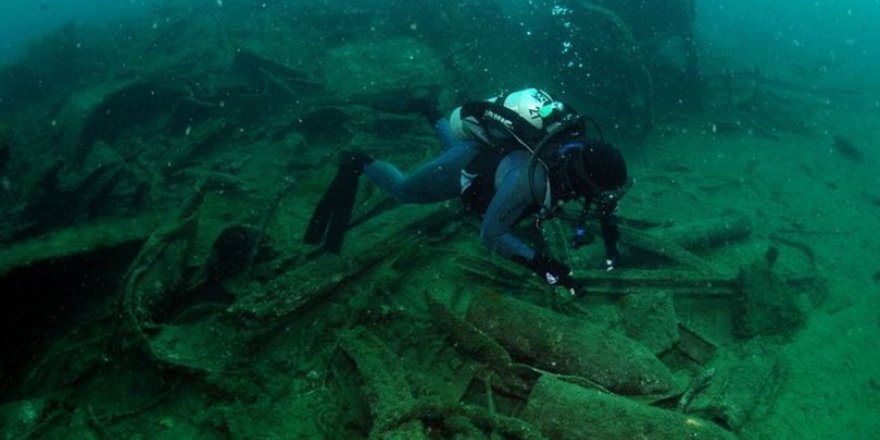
159, 168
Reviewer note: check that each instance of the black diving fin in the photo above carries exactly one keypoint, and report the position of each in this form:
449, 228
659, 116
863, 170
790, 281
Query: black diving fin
330, 220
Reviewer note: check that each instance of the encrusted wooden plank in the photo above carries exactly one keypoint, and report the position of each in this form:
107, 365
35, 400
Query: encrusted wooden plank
678, 282
78, 240
371, 244
385, 381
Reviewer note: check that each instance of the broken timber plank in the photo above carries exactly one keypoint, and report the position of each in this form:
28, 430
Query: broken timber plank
694, 345
385, 382
79, 240
378, 240
678, 282
471, 341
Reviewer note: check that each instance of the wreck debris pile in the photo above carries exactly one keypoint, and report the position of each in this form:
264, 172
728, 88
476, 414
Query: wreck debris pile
186, 169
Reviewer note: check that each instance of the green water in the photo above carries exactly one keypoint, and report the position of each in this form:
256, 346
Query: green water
160, 162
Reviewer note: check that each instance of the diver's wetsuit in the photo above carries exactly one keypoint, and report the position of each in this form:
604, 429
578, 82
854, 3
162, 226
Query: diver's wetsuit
434, 181
440, 179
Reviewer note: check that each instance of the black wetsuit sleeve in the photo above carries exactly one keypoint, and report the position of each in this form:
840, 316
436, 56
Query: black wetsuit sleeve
610, 236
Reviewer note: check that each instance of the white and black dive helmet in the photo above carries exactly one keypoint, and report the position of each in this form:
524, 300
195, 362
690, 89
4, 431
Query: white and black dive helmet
531, 114
542, 112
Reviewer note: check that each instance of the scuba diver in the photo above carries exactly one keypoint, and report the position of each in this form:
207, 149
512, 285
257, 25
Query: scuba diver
508, 158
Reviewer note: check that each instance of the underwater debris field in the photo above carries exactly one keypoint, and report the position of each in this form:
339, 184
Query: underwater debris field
158, 175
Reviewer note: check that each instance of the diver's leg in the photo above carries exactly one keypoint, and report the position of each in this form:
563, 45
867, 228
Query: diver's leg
512, 201
444, 133
434, 181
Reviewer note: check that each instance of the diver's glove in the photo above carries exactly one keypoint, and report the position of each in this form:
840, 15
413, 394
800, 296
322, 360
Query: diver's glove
555, 273
610, 262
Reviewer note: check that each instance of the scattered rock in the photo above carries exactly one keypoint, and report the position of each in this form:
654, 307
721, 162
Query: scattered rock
846, 148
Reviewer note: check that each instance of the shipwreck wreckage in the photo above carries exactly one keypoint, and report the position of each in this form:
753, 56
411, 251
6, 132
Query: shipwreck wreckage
171, 258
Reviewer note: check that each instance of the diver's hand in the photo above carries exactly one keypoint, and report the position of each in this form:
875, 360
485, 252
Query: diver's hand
573, 287
568, 283
555, 273
615, 259
609, 263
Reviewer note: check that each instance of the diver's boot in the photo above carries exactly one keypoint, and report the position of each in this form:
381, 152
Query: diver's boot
428, 107
354, 160
423, 104
331, 217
